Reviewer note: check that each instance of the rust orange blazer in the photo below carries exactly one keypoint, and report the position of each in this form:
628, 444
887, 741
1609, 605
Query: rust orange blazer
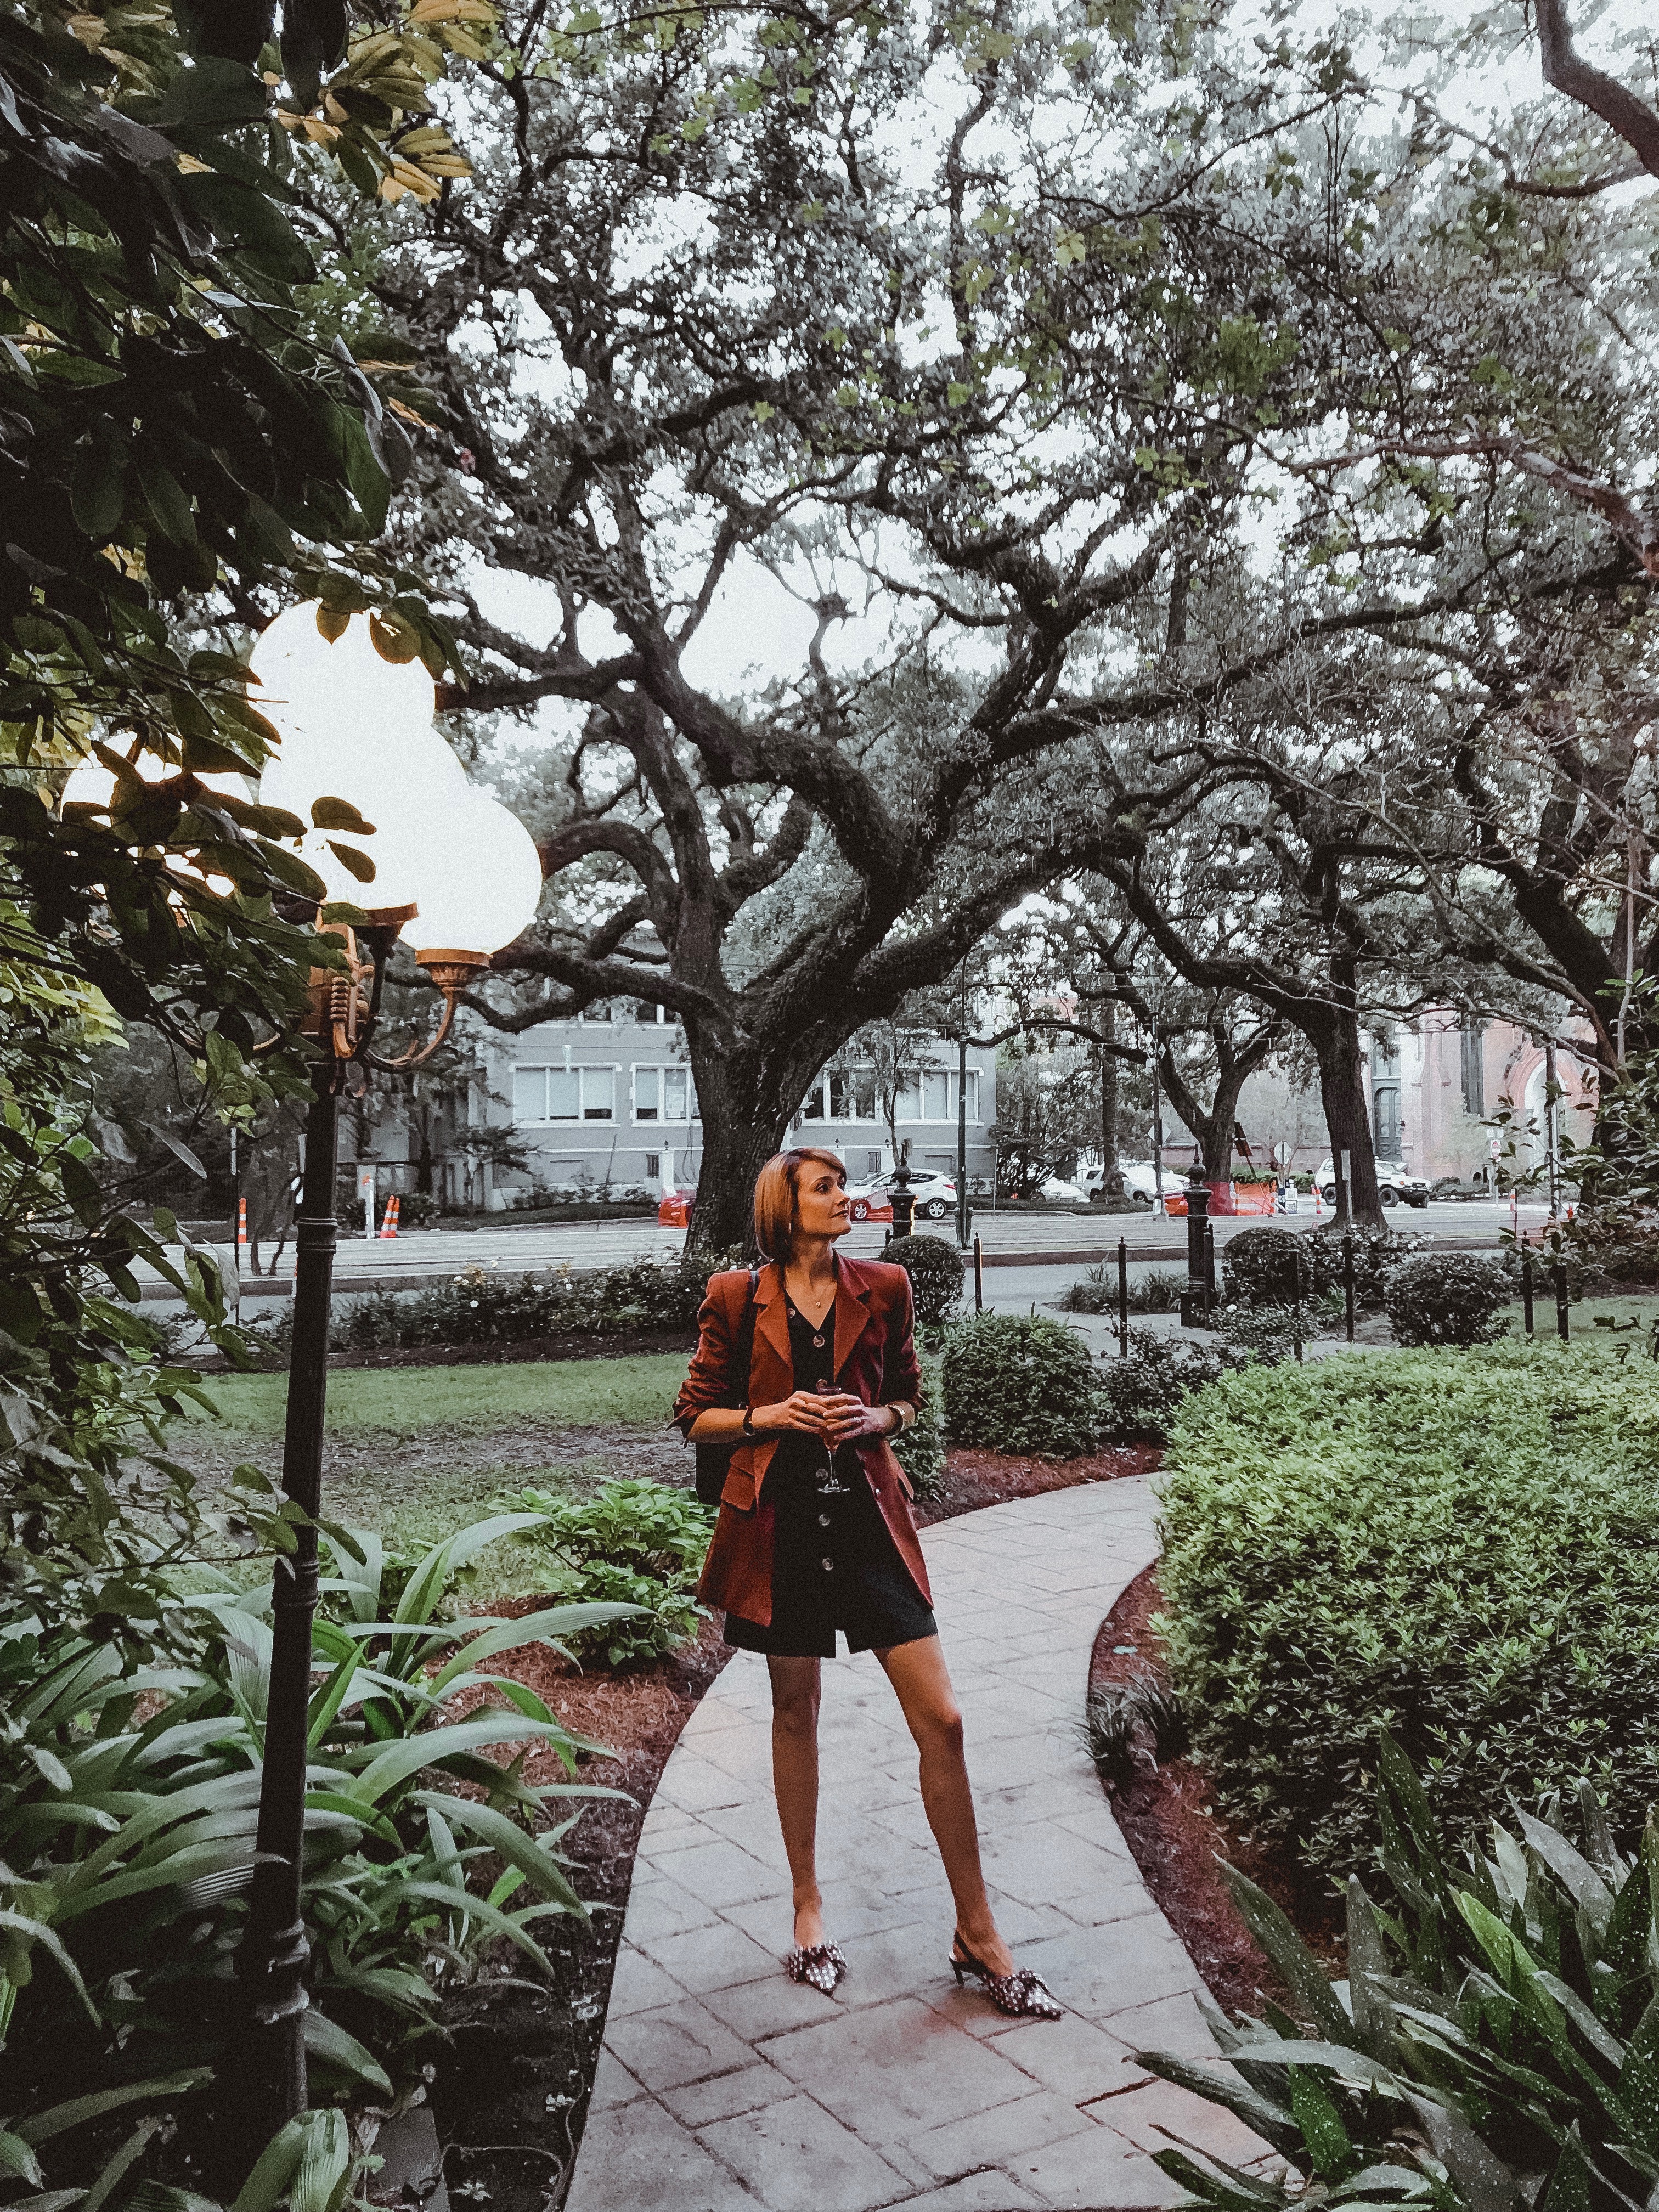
875, 1360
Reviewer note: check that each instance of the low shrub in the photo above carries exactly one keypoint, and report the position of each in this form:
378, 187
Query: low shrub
1269, 1333
1014, 1383
1459, 1545
1607, 1249
1493, 2043
1141, 1390
935, 1271
482, 1305
636, 1543
921, 1449
1095, 1291
1447, 1297
1258, 1264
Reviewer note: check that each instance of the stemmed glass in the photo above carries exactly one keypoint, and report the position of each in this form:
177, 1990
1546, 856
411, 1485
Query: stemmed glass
830, 1482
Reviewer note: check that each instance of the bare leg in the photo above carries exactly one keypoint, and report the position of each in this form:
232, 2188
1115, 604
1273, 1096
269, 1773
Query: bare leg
918, 1673
795, 1691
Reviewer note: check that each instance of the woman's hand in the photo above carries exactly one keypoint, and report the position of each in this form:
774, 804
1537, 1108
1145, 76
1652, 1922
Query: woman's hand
851, 1418
807, 1411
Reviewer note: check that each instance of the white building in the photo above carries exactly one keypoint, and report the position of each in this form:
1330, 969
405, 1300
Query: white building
606, 1104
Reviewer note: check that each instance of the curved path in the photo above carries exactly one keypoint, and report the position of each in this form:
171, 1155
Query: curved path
723, 2085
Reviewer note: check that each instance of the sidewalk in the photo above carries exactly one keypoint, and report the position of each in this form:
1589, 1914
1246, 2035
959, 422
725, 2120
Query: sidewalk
722, 2085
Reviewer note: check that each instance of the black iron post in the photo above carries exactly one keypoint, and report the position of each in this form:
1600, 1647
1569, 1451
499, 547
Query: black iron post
1559, 1272
1347, 1278
905, 1199
1209, 1270
1526, 1287
962, 1116
1123, 1295
1295, 1324
979, 1276
275, 1952
1194, 1300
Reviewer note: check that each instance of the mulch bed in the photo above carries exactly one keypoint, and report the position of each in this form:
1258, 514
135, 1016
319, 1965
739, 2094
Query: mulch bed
510, 2090
1179, 1839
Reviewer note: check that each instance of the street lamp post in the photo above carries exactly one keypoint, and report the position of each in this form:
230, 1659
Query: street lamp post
357, 740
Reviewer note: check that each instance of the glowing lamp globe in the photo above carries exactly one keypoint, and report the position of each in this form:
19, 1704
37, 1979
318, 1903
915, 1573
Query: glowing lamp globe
478, 885
353, 725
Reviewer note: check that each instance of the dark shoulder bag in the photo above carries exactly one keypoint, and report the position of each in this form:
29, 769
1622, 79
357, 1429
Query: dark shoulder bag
714, 1461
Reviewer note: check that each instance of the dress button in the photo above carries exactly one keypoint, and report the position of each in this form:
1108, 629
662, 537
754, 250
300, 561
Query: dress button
824, 1520
828, 1567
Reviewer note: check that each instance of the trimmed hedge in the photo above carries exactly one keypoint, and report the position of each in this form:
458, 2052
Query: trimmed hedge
1140, 1392
1256, 1265
1460, 1545
1448, 1297
921, 1449
935, 1271
1014, 1383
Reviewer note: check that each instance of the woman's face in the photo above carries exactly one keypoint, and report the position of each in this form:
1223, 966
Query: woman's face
821, 1201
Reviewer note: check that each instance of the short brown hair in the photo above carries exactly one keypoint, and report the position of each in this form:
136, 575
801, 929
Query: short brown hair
777, 1198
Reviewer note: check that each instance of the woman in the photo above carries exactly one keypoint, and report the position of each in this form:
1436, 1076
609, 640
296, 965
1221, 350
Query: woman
815, 1533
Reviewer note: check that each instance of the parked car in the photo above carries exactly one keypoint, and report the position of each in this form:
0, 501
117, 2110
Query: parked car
1139, 1182
935, 1195
1057, 1188
1395, 1181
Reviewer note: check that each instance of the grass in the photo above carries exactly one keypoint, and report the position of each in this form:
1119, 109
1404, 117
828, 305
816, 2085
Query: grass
575, 1393
1603, 1319
418, 1452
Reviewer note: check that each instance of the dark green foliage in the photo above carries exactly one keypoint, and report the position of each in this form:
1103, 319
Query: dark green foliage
935, 1271
635, 1543
1095, 1292
481, 1306
1494, 2046
1259, 1265
1459, 1545
1141, 1390
1447, 1297
1019, 1384
1130, 1726
1271, 1333
921, 1449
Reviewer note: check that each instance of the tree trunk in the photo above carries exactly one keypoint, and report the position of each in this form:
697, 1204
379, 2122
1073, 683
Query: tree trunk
1334, 1032
742, 1127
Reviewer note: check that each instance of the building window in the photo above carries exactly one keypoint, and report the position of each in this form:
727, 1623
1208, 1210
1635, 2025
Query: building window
664, 1094
935, 1094
653, 1166
564, 1094
973, 1094
906, 1105
1471, 1042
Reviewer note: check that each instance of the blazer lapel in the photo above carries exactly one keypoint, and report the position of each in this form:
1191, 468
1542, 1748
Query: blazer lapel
852, 1312
772, 1324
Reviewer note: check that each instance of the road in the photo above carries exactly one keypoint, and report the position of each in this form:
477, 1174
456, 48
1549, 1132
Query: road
1051, 1246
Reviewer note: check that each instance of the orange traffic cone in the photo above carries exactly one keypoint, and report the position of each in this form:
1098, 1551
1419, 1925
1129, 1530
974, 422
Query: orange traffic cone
389, 1226
241, 1235
1318, 1208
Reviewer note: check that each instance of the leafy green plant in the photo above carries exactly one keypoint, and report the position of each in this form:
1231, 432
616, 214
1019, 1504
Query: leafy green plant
636, 1544
1454, 1545
1142, 1387
1130, 1726
1447, 1297
1494, 2046
921, 1449
935, 1271
1019, 1384
128, 1816
1095, 1292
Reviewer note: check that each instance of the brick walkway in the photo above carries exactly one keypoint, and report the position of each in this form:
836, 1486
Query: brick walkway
722, 2085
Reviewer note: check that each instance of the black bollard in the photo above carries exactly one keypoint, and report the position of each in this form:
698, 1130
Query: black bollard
979, 1276
1526, 1287
1122, 1297
1347, 1278
1559, 1272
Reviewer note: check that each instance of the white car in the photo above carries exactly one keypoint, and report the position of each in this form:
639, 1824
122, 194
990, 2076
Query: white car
1057, 1188
873, 1200
1138, 1181
1395, 1183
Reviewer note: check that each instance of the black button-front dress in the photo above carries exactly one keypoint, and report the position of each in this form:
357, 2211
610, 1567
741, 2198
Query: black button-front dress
835, 1565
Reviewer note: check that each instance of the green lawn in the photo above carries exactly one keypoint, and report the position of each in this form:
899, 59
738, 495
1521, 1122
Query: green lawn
1591, 1317
405, 1400
417, 1452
